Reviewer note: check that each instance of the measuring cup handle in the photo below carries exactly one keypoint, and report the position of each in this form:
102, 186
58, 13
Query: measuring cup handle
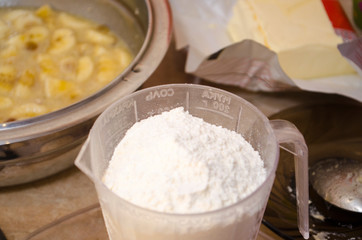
290, 139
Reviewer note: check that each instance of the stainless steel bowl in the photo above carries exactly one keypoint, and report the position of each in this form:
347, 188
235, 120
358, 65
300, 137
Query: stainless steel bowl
38, 147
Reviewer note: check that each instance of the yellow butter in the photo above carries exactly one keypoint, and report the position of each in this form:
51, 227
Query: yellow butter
299, 31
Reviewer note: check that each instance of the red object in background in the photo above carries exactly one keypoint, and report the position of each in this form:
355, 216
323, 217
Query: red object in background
337, 15
339, 19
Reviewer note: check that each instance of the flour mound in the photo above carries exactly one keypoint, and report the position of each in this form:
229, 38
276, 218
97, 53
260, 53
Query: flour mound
177, 163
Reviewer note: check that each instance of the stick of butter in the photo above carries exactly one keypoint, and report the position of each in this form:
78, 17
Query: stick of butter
299, 31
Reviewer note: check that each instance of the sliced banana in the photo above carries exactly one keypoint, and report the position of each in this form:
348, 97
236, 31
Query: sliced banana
9, 51
21, 91
37, 34
72, 22
108, 69
15, 14
68, 67
16, 40
27, 78
7, 78
26, 20
5, 88
5, 102
95, 36
85, 48
47, 15
44, 12
85, 68
28, 110
100, 50
47, 65
12, 46
50, 87
60, 88
123, 56
63, 39
7, 73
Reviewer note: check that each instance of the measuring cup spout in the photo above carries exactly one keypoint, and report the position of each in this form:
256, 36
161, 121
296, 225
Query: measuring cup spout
83, 160
290, 139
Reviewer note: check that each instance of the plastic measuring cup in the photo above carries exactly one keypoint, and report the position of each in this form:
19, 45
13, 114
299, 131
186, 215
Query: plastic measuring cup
241, 220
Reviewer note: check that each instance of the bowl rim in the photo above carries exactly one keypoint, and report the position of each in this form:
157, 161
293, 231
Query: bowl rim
156, 42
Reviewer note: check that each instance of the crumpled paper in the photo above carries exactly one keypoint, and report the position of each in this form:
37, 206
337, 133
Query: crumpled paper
201, 26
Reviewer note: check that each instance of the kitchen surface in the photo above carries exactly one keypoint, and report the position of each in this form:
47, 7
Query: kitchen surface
65, 205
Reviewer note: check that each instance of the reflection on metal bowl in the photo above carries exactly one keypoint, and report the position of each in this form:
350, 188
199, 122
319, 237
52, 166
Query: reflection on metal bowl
41, 146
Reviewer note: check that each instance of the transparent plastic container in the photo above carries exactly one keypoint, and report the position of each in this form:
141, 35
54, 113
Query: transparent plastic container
125, 221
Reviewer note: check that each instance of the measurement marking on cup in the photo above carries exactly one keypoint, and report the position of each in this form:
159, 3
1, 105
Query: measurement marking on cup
162, 93
215, 111
135, 110
238, 121
187, 100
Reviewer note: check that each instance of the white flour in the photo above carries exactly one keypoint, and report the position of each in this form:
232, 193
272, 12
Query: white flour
177, 163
